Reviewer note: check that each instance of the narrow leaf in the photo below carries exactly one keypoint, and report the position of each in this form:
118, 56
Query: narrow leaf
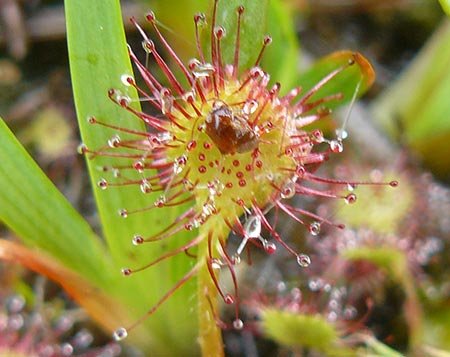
98, 59
41, 216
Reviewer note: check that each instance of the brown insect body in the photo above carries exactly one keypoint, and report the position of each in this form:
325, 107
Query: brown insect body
230, 132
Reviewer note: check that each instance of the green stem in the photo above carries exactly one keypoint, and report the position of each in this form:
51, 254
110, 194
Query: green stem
210, 336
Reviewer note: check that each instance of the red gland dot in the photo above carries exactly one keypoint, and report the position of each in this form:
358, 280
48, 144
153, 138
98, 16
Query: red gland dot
191, 145
248, 167
267, 40
350, 198
151, 16
137, 239
393, 183
258, 164
242, 183
236, 163
270, 248
228, 185
126, 271
201, 157
240, 202
240, 9
239, 174
92, 120
139, 166
202, 169
207, 145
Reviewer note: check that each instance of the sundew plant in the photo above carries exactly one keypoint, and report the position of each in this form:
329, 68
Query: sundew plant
188, 150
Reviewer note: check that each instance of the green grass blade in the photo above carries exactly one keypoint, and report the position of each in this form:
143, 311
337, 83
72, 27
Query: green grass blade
33, 208
98, 58
253, 27
445, 6
282, 56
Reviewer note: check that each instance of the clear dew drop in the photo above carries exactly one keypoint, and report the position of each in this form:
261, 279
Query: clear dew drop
336, 146
216, 263
114, 141
238, 324
350, 198
350, 312
126, 79
160, 202
120, 334
202, 70
236, 259
138, 240
252, 227
145, 186
228, 299
103, 184
67, 349
303, 260
288, 190
250, 107
179, 164
341, 134
166, 104
209, 208
351, 187
165, 137
15, 304
314, 228
81, 149
148, 46
269, 247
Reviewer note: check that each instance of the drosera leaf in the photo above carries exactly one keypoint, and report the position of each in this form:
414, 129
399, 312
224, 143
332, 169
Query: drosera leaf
395, 264
389, 259
34, 209
298, 330
358, 77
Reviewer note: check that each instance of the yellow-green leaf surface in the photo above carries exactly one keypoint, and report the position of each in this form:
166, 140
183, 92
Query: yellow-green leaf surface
445, 5
98, 59
298, 330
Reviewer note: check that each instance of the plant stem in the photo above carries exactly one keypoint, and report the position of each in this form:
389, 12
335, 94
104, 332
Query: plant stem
210, 336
